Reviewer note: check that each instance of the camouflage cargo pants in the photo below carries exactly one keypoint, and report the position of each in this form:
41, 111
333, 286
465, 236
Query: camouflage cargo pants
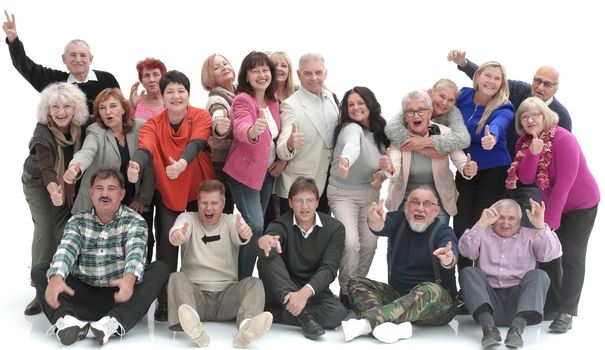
428, 303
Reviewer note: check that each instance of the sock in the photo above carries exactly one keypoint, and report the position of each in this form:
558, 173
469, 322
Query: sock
486, 320
519, 322
354, 328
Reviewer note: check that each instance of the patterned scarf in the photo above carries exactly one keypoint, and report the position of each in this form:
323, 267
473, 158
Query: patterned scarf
62, 141
542, 179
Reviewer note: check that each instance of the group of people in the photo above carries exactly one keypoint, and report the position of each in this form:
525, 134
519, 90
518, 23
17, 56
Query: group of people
305, 172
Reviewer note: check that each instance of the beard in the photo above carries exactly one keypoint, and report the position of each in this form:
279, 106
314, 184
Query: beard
418, 226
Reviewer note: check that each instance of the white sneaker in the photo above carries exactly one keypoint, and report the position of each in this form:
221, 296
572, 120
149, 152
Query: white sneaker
354, 328
389, 332
105, 328
191, 324
68, 329
255, 328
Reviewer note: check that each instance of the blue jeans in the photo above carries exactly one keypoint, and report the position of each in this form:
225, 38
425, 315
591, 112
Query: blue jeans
252, 205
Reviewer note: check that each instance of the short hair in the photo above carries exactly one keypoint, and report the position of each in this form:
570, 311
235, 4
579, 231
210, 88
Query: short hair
104, 95
78, 42
417, 95
507, 203
500, 98
174, 76
106, 173
550, 117
211, 186
208, 80
150, 63
446, 83
57, 92
303, 184
426, 188
280, 55
252, 60
310, 56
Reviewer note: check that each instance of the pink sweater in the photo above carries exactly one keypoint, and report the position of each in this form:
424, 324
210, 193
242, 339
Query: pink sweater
572, 186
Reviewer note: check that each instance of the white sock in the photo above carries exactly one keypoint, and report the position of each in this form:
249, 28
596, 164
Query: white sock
354, 328
389, 332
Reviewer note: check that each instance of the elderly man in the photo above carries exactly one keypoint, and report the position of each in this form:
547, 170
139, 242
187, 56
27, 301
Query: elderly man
298, 258
206, 288
98, 272
309, 118
421, 280
76, 56
505, 288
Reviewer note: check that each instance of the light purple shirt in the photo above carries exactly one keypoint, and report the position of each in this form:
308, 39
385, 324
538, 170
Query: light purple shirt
506, 260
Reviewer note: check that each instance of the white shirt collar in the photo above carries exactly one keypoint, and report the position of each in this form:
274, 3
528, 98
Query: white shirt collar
91, 76
307, 233
549, 101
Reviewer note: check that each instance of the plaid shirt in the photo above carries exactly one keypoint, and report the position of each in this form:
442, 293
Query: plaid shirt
96, 253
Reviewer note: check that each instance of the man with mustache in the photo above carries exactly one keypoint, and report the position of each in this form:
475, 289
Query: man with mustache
421, 281
97, 271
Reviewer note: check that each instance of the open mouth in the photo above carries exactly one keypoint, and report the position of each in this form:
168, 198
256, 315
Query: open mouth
209, 216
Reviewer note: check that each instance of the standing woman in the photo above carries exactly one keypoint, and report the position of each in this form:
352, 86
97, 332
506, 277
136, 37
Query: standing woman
359, 140
487, 113
149, 101
62, 115
256, 126
175, 144
550, 156
217, 78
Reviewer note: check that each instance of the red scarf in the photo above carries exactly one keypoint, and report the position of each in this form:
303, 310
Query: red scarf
545, 157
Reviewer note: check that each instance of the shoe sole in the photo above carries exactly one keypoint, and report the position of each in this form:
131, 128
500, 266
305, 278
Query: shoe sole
390, 334
72, 334
99, 335
196, 331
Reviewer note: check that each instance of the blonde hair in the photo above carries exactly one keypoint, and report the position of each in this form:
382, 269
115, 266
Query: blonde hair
500, 98
208, 80
550, 117
57, 92
289, 86
445, 83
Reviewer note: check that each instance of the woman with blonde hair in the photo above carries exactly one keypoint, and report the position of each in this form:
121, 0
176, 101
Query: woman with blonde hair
284, 79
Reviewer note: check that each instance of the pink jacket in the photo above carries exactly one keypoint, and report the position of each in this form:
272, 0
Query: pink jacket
247, 161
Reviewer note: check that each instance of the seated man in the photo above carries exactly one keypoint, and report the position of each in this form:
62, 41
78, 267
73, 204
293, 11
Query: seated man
299, 256
206, 288
421, 274
97, 271
505, 288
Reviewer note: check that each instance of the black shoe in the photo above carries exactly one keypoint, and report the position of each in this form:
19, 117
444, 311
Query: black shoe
344, 300
33, 308
562, 323
491, 337
513, 338
310, 327
161, 312
460, 305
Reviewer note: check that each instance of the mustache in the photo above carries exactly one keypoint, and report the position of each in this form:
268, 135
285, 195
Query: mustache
105, 198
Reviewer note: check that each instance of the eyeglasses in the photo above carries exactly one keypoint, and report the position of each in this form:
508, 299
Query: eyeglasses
533, 116
308, 201
416, 203
547, 84
410, 112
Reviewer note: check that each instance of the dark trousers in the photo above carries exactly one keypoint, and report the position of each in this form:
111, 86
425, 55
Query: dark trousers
521, 195
476, 194
567, 272
324, 306
92, 303
528, 296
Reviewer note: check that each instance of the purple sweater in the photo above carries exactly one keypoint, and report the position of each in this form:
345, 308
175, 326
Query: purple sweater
572, 186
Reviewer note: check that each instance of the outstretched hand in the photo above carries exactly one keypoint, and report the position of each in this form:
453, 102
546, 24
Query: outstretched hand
10, 27
535, 215
488, 141
458, 57
133, 172
445, 254
268, 242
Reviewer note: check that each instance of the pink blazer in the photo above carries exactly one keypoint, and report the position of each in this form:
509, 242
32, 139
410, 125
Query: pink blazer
247, 161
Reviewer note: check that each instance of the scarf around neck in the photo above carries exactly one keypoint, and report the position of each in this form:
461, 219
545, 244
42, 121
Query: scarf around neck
61, 142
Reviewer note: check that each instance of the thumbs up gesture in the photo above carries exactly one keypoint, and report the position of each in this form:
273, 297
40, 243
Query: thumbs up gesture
56, 194
385, 162
71, 173
223, 123
243, 230
258, 128
537, 144
175, 168
296, 139
470, 167
178, 236
343, 167
133, 172
445, 255
488, 141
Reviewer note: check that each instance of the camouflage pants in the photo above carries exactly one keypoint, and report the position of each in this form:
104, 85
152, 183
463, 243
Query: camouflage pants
428, 303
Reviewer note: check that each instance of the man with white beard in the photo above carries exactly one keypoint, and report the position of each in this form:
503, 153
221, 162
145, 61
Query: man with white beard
421, 281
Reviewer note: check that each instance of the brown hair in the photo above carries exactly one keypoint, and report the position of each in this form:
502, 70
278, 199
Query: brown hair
127, 118
303, 184
211, 186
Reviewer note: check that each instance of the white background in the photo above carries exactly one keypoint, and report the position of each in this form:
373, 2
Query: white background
390, 48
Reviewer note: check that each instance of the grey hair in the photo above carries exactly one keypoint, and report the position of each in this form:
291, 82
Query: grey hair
311, 56
417, 95
507, 203
78, 42
425, 188
57, 92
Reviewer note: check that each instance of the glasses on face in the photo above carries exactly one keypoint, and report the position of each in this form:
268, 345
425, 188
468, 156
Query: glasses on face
307, 201
547, 84
410, 112
414, 203
533, 116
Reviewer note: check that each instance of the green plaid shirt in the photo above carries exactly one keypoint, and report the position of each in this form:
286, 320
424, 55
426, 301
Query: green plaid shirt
96, 253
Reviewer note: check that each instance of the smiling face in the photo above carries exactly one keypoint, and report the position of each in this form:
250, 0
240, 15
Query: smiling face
106, 195
312, 74
210, 207
508, 223
61, 112
545, 83
281, 70
489, 81
421, 209
176, 98
417, 115
222, 71
443, 99
77, 59
358, 110
150, 78
259, 78
112, 113
532, 121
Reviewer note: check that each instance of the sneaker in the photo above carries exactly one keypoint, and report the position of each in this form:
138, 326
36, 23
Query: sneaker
354, 328
389, 332
190, 321
105, 328
68, 329
460, 304
255, 328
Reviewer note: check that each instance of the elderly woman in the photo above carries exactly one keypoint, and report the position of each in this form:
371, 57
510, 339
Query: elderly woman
149, 101
359, 140
62, 115
256, 126
175, 144
550, 156
217, 78
111, 142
